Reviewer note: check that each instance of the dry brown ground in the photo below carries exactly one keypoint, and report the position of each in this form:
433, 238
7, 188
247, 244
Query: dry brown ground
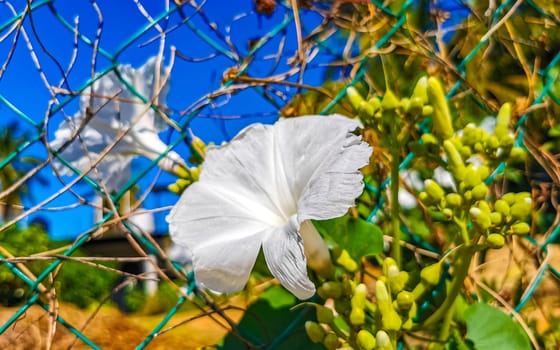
111, 329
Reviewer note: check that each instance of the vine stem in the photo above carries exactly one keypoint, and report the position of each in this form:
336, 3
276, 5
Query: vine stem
461, 267
395, 206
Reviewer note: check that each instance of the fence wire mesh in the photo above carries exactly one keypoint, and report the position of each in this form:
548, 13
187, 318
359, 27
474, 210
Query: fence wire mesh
230, 65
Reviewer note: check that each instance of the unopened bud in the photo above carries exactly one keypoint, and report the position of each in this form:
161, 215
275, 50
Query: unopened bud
331, 341
431, 274
390, 101
354, 96
434, 190
357, 316
383, 341
324, 314
453, 200
502, 121
456, 164
441, 117
521, 209
521, 228
495, 240
315, 332
365, 340
479, 191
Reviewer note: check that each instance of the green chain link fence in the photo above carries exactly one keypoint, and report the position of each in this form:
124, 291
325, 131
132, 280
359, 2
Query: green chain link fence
270, 51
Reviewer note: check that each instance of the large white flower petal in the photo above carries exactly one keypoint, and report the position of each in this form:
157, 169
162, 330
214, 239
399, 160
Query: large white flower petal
251, 160
322, 158
283, 251
222, 231
117, 110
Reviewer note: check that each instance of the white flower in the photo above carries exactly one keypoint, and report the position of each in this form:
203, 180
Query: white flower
115, 109
262, 189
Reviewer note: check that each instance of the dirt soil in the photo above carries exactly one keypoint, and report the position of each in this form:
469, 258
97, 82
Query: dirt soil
111, 329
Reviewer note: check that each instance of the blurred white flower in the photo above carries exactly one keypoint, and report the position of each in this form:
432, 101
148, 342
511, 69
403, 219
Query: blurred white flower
107, 109
262, 189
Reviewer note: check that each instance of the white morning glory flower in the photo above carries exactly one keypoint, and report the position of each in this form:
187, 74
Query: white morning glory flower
115, 109
261, 190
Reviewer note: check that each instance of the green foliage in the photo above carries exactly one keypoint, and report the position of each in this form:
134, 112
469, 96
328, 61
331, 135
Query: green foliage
26, 242
75, 282
84, 285
490, 329
267, 320
359, 237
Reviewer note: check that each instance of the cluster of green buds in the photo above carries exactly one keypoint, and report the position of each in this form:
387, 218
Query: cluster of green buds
365, 319
490, 218
379, 113
189, 175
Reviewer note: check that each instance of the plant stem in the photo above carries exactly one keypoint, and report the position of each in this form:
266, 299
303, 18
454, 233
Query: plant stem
461, 269
394, 190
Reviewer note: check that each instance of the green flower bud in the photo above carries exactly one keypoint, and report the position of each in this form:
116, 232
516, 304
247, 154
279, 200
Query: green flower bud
383, 341
479, 191
517, 154
447, 214
324, 314
375, 103
359, 298
331, 341
495, 240
404, 301
467, 195
434, 190
521, 228
465, 152
431, 274
391, 320
330, 289
521, 209
365, 110
501, 207
424, 198
382, 296
342, 306
480, 218
174, 188
470, 135
315, 332
365, 340
429, 139
390, 101
456, 164
492, 142
521, 196
198, 146
354, 96
389, 263
421, 90
483, 172
453, 200
441, 117
357, 316
404, 104
502, 121
346, 261
427, 110
472, 177
398, 282
509, 198
415, 106
496, 218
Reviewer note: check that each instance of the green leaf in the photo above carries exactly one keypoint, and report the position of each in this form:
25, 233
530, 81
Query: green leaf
271, 322
359, 237
490, 329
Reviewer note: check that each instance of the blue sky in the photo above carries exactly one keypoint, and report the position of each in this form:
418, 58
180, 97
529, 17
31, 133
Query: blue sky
22, 84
